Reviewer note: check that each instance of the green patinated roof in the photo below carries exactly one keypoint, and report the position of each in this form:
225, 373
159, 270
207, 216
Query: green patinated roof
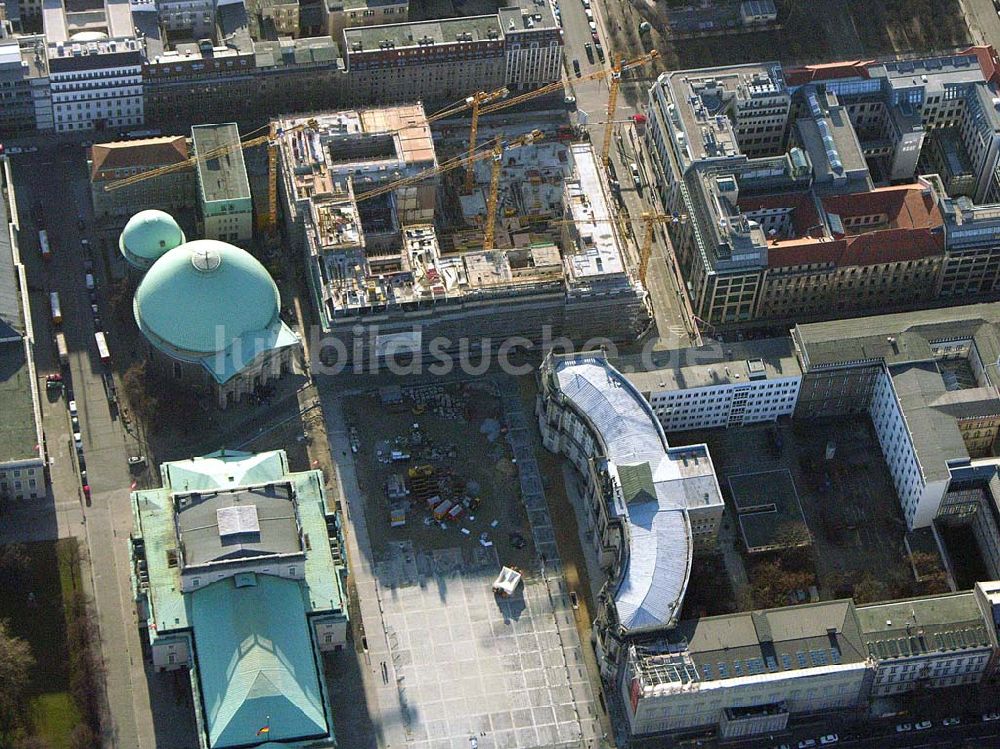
256, 662
223, 470
147, 236
201, 296
637, 482
252, 644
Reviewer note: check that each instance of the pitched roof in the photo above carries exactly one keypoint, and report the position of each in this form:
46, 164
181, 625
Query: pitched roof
137, 154
256, 662
909, 206
988, 60
827, 71
914, 230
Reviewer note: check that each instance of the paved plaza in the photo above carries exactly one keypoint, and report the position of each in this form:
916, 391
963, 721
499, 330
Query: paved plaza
508, 673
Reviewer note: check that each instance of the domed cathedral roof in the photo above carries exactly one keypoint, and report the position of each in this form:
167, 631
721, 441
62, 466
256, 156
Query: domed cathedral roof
147, 236
203, 295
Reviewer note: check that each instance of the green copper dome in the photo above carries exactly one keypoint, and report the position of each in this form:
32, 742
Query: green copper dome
147, 235
200, 297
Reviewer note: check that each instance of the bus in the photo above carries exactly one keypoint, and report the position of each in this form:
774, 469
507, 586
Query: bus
61, 347
56, 309
102, 347
43, 244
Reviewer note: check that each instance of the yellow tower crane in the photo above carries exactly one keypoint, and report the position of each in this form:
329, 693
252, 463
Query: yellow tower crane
616, 80
485, 102
270, 221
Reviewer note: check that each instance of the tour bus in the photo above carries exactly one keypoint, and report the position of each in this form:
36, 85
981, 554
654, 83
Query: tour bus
56, 309
102, 347
43, 243
63, 351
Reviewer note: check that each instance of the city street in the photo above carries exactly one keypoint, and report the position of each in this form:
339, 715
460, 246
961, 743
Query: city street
592, 103
55, 180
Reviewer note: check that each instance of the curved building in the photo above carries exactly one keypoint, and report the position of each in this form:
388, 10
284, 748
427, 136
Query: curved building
651, 506
147, 236
211, 314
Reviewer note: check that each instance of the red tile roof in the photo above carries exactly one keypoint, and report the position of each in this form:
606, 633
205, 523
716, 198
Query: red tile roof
914, 231
804, 214
907, 206
136, 154
988, 61
800, 76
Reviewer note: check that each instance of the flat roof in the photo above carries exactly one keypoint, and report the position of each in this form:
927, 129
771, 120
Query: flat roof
18, 432
423, 33
713, 364
713, 650
222, 177
917, 626
119, 13
240, 524
11, 307
598, 252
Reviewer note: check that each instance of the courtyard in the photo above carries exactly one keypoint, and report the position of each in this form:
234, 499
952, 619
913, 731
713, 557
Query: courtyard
829, 474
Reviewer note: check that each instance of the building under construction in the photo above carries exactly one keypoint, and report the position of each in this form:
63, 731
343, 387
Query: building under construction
362, 191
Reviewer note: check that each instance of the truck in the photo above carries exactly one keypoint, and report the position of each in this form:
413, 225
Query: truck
62, 349
56, 308
43, 245
102, 347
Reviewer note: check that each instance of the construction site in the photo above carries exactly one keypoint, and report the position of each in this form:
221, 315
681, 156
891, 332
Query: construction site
416, 240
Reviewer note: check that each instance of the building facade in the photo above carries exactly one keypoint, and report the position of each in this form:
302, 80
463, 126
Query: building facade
224, 202
704, 389
238, 624
780, 175
927, 643
110, 162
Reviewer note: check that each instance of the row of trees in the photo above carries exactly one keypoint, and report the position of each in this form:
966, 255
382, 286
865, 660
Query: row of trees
17, 664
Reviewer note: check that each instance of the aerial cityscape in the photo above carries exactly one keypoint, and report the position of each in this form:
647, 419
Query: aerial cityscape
499, 374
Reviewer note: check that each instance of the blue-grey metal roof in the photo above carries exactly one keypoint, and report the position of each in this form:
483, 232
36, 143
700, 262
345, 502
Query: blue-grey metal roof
652, 584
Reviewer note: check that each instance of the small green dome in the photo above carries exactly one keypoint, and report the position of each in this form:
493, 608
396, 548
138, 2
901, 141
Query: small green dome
200, 297
147, 235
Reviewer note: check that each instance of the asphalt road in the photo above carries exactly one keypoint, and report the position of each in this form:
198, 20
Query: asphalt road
984, 24
55, 180
592, 102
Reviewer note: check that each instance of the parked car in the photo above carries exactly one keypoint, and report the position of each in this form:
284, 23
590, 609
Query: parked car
806, 743
53, 381
136, 460
576, 68
570, 102
923, 725
600, 52
988, 717
86, 490
72, 408
904, 727
830, 738
589, 49
951, 721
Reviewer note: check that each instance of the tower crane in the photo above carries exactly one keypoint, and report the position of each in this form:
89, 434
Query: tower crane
485, 102
212, 153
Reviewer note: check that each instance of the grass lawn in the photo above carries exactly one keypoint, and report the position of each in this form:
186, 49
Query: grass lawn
34, 607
